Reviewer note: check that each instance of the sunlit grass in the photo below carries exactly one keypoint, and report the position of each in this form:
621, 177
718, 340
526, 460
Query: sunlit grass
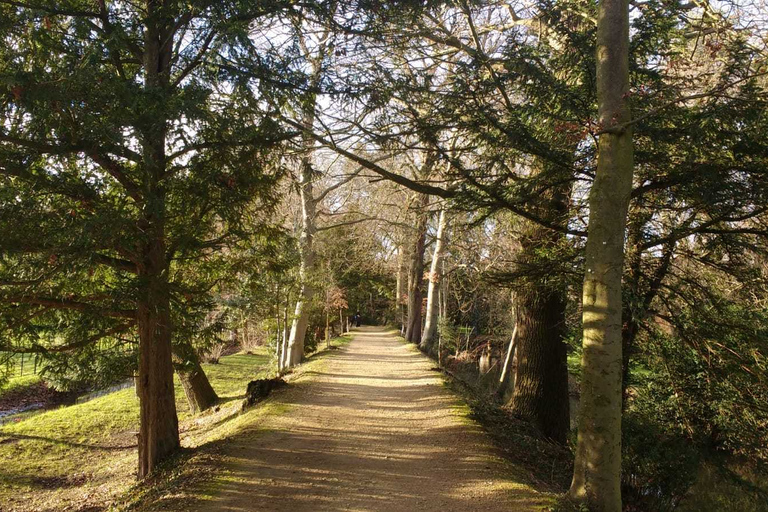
86, 442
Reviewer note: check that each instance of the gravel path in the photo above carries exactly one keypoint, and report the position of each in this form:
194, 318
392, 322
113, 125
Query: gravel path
375, 430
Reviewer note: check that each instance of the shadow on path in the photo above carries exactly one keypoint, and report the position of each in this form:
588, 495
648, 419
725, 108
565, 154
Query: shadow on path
375, 430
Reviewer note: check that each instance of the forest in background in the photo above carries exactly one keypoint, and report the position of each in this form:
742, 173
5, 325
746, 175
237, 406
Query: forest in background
564, 202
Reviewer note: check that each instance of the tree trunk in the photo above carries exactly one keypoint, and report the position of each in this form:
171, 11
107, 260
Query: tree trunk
402, 285
540, 392
159, 427
283, 361
541, 379
430, 326
308, 218
597, 468
197, 388
507, 377
416, 275
295, 352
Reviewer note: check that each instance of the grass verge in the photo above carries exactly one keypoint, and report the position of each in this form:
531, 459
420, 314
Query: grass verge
84, 455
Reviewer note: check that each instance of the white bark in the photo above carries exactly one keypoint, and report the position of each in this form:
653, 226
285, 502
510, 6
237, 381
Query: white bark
301, 314
430, 326
308, 218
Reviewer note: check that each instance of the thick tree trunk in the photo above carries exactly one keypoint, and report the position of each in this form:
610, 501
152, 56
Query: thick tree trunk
541, 379
597, 468
197, 388
159, 426
540, 392
416, 275
430, 326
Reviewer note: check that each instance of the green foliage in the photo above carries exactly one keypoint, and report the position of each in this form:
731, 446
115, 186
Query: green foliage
658, 468
708, 383
103, 160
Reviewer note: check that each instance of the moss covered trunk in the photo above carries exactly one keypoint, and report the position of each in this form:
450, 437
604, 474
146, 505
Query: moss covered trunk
597, 468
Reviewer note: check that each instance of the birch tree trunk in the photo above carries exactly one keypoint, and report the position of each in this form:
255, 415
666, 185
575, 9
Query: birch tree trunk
430, 326
597, 468
295, 352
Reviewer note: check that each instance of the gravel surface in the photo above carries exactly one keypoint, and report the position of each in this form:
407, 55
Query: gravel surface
374, 429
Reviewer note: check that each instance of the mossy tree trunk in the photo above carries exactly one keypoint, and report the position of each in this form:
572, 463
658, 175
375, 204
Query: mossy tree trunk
597, 468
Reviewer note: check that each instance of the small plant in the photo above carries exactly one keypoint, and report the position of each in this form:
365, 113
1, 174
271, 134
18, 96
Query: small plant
213, 354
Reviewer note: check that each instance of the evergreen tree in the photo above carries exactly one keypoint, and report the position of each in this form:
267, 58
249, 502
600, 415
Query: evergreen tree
124, 172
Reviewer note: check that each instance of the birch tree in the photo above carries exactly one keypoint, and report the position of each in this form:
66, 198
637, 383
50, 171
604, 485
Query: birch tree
435, 274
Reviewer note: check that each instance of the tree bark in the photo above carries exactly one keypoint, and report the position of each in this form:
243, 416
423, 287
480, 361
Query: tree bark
597, 468
295, 353
197, 388
541, 379
430, 326
540, 392
416, 275
159, 427
401, 287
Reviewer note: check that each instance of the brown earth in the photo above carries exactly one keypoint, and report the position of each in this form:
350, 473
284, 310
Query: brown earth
373, 428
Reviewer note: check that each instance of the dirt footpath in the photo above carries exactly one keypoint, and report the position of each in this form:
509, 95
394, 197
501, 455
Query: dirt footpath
375, 430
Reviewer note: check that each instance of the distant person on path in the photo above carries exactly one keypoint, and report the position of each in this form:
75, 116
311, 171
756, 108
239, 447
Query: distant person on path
357, 319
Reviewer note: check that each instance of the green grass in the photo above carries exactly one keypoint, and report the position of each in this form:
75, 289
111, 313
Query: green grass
43, 451
18, 384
